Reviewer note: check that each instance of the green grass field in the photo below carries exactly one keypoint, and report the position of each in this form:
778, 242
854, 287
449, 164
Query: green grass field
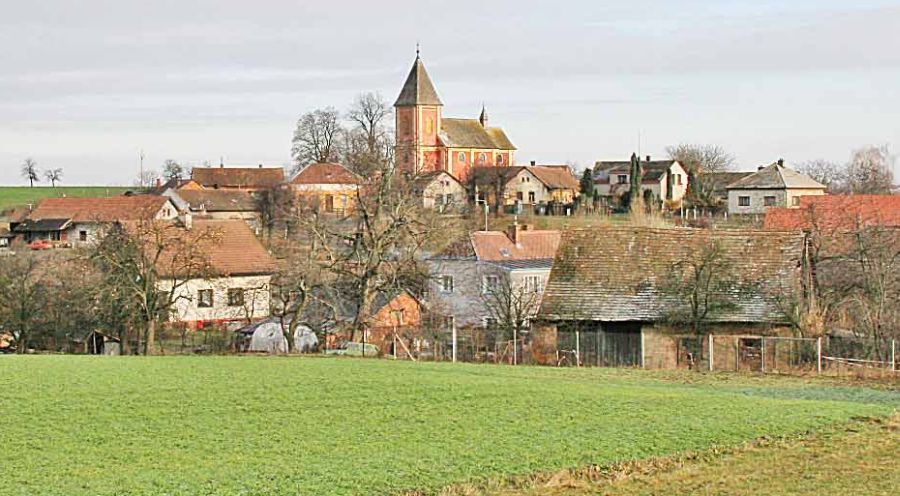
269, 425
13, 196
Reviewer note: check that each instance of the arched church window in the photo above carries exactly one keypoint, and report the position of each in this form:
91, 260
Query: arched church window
429, 126
461, 157
482, 158
499, 159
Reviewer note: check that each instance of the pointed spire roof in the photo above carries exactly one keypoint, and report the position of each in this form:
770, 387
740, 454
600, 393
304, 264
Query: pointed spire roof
483, 118
418, 89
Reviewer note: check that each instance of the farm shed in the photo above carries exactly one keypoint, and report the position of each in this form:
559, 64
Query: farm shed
617, 295
97, 343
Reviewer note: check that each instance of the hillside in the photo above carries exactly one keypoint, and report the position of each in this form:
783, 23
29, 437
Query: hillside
14, 196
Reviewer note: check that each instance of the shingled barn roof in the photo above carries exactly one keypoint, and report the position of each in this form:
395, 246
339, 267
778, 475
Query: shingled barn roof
469, 133
418, 89
238, 177
776, 176
618, 274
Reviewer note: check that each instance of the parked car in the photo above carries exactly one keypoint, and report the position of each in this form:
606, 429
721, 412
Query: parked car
354, 349
40, 244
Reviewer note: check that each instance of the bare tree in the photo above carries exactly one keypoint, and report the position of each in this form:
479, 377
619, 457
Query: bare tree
510, 305
22, 297
370, 114
30, 171
53, 175
147, 179
148, 264
317, 137
172, 170
699, 159
831, 174
870, 171
299, 276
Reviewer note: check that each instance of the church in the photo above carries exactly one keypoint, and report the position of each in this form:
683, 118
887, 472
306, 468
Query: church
426, 141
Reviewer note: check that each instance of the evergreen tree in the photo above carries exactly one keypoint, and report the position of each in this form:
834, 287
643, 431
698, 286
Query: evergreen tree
634, 193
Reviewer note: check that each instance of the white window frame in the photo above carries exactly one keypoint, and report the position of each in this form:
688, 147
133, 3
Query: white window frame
446, 288
741, 200
490, 283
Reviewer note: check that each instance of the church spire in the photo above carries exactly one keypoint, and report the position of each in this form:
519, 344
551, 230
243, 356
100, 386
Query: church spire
418, 89
483, 118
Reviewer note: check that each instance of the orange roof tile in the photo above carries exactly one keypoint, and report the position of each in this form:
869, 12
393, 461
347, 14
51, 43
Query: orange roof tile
325, 173
111, 209
836, 212
496, 245
238, 177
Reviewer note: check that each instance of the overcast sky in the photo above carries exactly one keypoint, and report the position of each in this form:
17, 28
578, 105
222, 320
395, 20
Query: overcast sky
85, 85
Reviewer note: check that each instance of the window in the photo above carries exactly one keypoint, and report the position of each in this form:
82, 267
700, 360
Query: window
743, 201
461, 157
531, 197
482, 158
520, 196
678, 179
399, 317
795, 201
533, 284
769, 201
448, 199
489, 322
499, 159
205, 298
446, 284
449, 322
622, 178
82, 236
236, 297
490, 283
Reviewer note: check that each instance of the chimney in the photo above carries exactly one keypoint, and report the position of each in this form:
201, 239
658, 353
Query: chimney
513, 232
761, 167
648, 158
260, 166
533, 163
780, 162
158, 183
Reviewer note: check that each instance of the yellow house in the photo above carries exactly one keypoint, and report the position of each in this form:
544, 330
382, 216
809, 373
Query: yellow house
327, 187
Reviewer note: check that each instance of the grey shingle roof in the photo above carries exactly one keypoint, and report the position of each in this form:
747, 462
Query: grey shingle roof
617, 274
418, 89
776, 176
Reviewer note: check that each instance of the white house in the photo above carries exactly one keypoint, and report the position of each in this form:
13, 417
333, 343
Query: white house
771, 186
439, 189
662, 180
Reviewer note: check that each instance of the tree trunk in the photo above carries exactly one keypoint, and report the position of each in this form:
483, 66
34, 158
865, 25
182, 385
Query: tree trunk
150, 346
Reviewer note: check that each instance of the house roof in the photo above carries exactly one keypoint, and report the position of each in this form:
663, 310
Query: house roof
836, 212
325, 173
469, 133
555, 177
418, 89
238, 177
652, 170
776, 176
225, 247
618, 274
531, 264
219, 200
422, 180
497, 246
106, 209
42, 225
718, 181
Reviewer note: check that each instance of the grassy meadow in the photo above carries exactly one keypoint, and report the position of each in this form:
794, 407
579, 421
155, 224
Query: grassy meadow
14, 196
275, 425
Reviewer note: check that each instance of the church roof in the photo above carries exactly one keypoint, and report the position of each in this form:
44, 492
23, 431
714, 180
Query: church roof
469, 133
418, 89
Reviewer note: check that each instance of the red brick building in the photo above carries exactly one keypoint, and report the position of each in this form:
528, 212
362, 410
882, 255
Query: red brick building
426, 141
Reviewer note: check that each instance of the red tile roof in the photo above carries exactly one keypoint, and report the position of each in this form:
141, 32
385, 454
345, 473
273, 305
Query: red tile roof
836, 212
325, 173
223, 247
238, 177
496, 245
111, 209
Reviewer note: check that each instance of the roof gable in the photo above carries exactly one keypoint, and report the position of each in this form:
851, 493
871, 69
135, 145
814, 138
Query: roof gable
326, 173
418, 89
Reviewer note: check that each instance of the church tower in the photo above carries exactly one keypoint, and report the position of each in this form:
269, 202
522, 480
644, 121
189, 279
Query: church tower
418, 113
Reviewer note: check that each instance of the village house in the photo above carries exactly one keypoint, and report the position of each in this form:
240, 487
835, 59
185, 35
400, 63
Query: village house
711, 188
535, 188
623, 301
326, 187
217, 204
427, 141
771, 186
462, 274
234, 283
663, 182
72, 221
439, 190
242, 178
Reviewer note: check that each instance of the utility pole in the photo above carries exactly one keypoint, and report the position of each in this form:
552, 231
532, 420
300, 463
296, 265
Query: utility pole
141, 177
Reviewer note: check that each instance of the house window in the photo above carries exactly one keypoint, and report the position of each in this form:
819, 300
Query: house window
769, 201
82, 236
531, 197
622, 178
499, 159
678, 179
236, 297
449, 322
533, 284
461, 157
448, 199
490, 283
205, 298
519, 196
489, 322
795, 201
743, 201
446, 284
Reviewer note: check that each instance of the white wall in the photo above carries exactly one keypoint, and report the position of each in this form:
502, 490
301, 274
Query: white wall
256, 299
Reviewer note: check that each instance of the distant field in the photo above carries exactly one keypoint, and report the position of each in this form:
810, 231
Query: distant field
12, 196
270, 425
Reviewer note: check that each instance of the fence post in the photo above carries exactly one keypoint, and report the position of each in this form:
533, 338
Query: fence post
710, 352
453, 344
819, 354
